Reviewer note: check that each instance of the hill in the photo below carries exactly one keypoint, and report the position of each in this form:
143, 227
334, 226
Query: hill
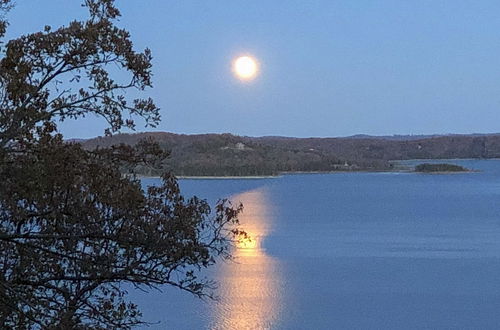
231, 155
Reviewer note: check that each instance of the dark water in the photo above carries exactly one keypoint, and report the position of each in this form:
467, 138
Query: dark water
353, 251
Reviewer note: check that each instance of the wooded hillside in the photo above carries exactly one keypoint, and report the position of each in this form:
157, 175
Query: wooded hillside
230, 155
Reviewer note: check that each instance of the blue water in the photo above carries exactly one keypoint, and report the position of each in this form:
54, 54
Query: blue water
353, 251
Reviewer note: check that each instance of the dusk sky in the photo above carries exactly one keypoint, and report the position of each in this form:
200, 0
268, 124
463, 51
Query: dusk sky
327, 68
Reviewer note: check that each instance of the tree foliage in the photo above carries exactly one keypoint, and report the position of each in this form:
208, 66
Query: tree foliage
73, 229
429, 168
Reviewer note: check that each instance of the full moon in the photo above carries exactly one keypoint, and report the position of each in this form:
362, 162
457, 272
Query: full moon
245, 67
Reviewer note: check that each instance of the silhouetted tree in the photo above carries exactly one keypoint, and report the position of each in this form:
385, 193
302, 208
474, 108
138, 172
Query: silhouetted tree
73, 228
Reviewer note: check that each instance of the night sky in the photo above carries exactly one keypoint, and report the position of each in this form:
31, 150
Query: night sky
327, 68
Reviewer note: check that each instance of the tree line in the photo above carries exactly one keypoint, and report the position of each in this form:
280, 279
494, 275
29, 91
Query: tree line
231, 155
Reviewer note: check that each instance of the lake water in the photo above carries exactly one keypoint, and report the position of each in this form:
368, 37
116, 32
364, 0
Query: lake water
353, 251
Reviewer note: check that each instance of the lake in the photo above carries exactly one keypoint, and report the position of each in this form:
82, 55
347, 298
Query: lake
352, 251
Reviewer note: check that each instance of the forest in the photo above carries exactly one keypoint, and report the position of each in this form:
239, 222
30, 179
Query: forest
231, 155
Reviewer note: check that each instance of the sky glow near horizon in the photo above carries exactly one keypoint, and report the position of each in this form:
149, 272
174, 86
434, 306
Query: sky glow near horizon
329, 68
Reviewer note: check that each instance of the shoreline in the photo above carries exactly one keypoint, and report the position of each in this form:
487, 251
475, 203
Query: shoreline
198, 177
229, 177
282, 174
257, 177
447, 172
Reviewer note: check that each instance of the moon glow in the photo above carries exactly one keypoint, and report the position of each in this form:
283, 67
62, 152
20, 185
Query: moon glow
245, 67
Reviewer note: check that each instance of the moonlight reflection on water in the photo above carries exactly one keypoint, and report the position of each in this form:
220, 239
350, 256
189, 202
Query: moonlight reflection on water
250, 286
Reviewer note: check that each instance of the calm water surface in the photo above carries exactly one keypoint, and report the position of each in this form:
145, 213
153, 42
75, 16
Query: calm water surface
353, 251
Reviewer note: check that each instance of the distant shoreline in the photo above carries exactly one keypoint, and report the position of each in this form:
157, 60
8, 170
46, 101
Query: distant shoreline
229, 177
258, 177
199, 177
226, 156
277, 176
